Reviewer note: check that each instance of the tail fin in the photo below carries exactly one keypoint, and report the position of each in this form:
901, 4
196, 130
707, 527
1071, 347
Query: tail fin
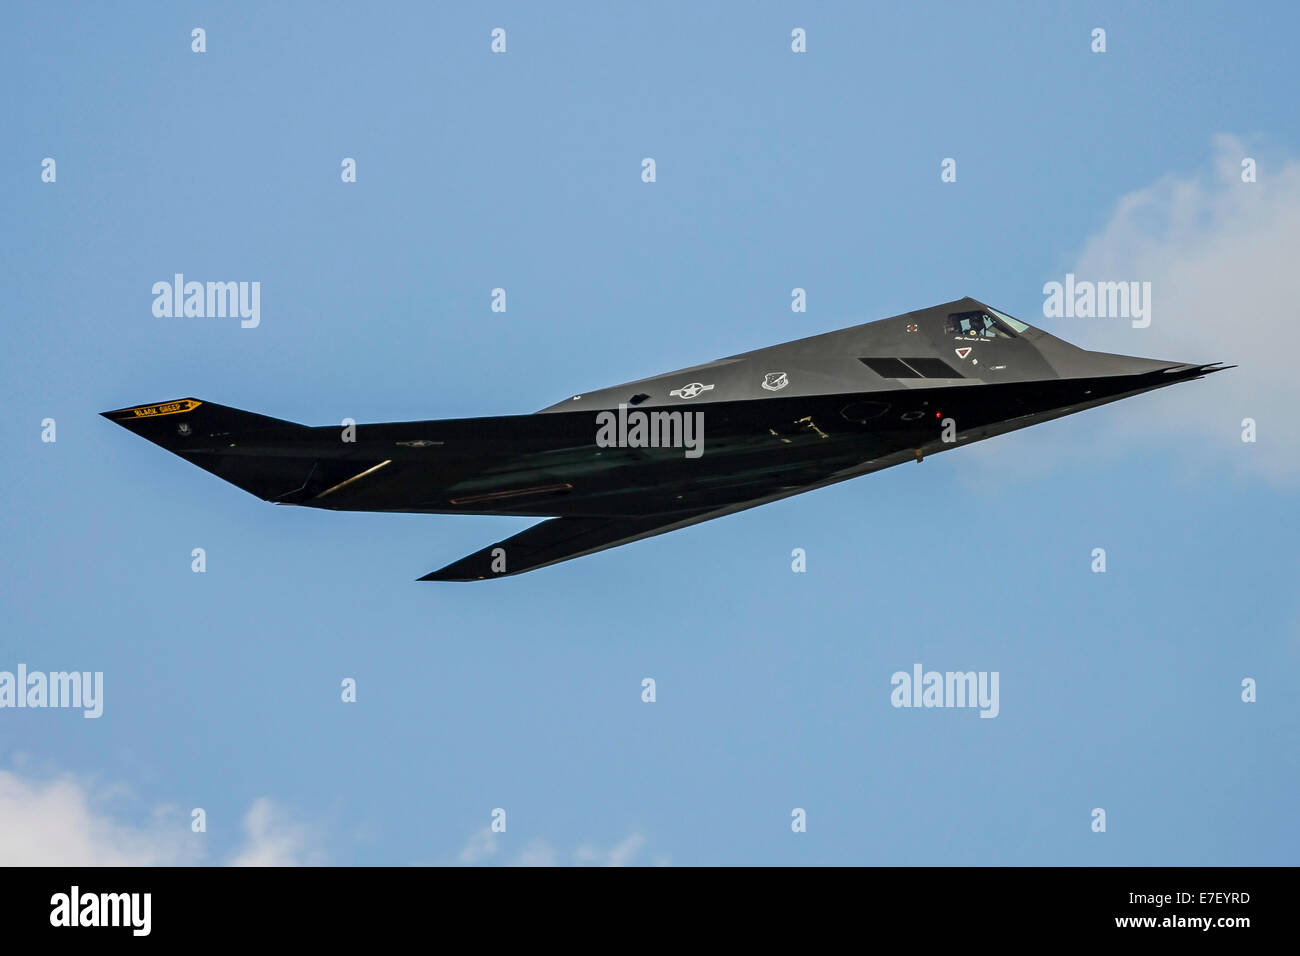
230, 443
174, 425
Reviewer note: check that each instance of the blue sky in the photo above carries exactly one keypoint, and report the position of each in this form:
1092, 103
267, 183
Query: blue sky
775, 170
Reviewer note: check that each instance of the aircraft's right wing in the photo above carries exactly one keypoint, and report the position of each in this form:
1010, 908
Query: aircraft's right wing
559, 539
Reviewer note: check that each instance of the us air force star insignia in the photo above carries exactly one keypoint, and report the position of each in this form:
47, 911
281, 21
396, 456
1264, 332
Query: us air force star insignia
775, 381
690, 391
183, 428
963, 351
912, 328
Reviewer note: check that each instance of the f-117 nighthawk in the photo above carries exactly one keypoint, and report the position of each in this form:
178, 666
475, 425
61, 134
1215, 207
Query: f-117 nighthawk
616, 465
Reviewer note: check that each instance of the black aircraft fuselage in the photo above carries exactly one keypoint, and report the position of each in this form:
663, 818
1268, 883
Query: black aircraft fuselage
635, 460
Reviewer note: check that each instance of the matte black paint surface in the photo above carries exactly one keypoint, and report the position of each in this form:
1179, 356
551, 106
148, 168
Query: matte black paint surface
777, 422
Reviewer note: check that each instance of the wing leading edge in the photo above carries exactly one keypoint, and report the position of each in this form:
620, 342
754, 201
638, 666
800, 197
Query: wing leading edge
560, 539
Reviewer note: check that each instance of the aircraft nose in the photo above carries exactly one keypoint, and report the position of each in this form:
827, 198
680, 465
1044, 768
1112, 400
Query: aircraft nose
1073, 362
1109, 363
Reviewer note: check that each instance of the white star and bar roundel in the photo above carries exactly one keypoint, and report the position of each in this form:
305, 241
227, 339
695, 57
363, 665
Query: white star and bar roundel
691, 390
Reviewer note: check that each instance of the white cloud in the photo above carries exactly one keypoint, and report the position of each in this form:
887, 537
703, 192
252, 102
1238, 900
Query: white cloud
621, 854
480, 846
537, 852
1220, 255
52, 823
67, 821
63, 822
273, 839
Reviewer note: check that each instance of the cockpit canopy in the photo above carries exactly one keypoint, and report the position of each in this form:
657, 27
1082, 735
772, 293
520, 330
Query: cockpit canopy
985, 324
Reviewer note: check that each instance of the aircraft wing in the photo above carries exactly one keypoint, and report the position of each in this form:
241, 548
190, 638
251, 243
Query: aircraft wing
559, 539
